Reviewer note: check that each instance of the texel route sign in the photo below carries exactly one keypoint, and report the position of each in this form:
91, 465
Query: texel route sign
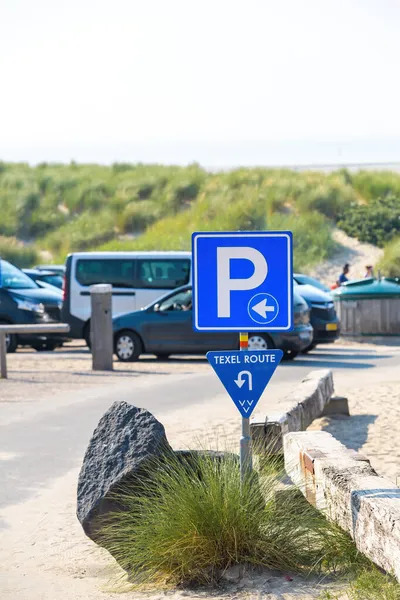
242, 281
245, 375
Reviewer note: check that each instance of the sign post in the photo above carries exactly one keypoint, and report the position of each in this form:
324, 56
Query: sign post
246, 459
243, 281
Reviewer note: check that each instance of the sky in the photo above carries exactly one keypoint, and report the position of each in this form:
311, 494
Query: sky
220, 82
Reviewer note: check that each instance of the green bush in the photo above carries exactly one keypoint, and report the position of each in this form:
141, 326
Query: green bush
376, 222
390, 263
193, 518
17, 254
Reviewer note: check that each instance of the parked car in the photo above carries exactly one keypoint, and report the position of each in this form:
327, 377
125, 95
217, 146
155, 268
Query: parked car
323, 315
22, 301
59, 269
164, 327
50, 277
137, 278
307, 280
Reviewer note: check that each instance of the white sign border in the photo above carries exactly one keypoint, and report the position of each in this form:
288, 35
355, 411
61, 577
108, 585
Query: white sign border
266, 234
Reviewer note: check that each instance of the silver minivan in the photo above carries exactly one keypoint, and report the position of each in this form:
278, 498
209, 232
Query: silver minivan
137, 279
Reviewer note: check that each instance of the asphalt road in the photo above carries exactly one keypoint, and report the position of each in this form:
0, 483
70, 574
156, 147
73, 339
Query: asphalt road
40, 447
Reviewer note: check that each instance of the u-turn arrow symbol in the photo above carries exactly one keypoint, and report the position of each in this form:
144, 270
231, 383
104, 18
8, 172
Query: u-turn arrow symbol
240, 381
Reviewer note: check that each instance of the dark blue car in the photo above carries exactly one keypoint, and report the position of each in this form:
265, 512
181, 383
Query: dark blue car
323, 316
165, 327
23, 302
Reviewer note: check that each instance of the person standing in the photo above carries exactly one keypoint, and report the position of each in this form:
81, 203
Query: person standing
343, 276
369, 271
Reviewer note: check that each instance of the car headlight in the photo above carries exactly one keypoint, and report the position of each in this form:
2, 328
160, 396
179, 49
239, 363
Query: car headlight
31, 306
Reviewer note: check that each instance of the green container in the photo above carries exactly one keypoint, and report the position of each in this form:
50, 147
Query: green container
368, 288
369, 307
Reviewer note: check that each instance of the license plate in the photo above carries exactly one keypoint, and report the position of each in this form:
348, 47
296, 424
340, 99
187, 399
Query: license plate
331, 327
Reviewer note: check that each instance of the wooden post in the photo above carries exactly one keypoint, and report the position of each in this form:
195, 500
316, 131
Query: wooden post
3, 355
101, 333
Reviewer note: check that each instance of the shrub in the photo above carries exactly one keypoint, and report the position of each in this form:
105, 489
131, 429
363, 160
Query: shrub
136, 216
377, 222
16, 253
390, 262
193, 518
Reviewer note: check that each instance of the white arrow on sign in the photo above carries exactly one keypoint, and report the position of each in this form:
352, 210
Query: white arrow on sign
262, 309
240, 381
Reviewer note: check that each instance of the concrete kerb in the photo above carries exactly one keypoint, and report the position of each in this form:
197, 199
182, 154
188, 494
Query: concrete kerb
341, 483
296, 412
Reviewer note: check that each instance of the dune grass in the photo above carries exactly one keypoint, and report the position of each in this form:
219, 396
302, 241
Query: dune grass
15, 252
390, 262
66, 208
193, 519
368, 584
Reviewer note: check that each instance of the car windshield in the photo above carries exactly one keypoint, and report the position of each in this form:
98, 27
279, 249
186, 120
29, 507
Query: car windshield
180, 301
14, 279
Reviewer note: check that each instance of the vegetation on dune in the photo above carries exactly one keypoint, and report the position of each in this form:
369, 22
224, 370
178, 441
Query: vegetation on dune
15, 252
64, 208
390, 263
377, 222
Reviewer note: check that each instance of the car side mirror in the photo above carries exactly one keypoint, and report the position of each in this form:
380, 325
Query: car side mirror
156, 308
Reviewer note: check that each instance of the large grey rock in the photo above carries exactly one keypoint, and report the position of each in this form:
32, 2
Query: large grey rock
122, 446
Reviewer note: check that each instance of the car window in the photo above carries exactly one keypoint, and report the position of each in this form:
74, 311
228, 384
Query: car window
162, 274
306, 280
119, 272
179, 301
55, 280
14, 279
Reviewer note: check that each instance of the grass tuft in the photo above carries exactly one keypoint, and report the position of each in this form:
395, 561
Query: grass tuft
369, 584
193, 519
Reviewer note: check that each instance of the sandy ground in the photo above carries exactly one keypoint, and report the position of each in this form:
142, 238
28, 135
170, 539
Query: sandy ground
351, 251
44, 554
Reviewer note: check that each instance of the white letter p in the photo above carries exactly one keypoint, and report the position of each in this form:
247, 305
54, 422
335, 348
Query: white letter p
224, 282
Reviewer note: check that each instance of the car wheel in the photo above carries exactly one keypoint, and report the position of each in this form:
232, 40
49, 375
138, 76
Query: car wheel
11, 340
290, 354
260, 342
308, 349
127, 346
162, 356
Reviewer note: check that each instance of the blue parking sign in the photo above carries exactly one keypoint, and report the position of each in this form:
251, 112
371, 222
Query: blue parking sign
242, 281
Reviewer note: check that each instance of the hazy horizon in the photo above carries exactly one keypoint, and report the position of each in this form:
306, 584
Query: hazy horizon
222, 83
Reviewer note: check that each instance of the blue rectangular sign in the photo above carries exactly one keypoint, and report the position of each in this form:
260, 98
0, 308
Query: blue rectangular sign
242, 281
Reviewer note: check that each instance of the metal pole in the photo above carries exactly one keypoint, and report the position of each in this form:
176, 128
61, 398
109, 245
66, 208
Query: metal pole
245, 440
3, 355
